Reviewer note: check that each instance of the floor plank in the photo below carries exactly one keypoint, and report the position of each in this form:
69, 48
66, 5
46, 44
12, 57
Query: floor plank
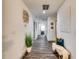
41, 49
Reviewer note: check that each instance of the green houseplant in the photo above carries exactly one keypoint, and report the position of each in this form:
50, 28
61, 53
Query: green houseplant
28, 43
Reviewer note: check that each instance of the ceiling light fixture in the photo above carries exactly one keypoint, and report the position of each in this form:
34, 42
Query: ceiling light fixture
45, 7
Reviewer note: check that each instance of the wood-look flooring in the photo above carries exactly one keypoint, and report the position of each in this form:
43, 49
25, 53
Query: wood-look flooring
41, 49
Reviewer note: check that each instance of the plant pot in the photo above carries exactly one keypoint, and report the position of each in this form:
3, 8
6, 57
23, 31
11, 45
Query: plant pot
29, 49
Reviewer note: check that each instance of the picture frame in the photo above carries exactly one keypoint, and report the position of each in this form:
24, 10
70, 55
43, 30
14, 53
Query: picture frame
51, 23
25, 16
52, 27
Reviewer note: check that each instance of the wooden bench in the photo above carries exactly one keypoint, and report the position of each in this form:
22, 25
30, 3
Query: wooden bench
61, 52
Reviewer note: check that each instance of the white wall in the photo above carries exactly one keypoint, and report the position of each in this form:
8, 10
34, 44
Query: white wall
51, 33
66, 26
13, 29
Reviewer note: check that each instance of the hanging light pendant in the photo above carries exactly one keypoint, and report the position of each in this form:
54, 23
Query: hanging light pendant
45, 7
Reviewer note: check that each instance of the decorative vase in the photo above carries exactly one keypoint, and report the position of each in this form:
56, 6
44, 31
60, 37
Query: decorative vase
29, 49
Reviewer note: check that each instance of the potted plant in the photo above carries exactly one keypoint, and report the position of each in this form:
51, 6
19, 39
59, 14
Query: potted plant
28, 43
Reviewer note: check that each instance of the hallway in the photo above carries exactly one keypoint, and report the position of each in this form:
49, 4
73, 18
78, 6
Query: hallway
41, 49
23, 22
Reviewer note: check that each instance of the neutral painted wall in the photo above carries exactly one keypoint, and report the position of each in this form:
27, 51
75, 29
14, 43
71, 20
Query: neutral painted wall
13, 28
51, 33
66, 25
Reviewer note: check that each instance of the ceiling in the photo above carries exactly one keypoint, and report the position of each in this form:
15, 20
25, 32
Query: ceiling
35, 7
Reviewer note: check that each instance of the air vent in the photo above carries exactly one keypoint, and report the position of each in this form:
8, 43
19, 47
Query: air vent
45, 7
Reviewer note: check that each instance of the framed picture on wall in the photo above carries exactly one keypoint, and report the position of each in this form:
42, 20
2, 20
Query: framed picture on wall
51, 27
25, 16
51, 23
